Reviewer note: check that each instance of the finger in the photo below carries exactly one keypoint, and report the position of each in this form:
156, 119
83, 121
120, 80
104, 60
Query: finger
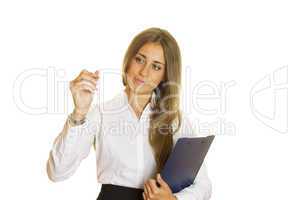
81, 73
94, 75
84, 82
161, 181
87, 88
84, 72
148, 190
144, 196
77, 85
88, 78
153, 186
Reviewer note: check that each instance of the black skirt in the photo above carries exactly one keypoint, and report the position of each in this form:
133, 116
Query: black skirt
116, 192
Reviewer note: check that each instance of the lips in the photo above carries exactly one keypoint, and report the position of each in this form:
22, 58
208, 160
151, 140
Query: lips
138, 81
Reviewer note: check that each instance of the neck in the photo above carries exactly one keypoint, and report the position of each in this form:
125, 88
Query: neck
137, 101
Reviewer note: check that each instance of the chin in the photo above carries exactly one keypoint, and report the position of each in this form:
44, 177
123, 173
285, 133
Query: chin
141, 90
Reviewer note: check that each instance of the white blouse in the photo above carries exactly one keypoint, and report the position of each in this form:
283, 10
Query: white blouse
123, 154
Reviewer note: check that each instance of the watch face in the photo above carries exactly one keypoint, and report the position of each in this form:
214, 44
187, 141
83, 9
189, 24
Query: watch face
75, 122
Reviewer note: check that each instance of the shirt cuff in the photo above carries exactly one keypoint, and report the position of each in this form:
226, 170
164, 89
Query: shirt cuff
88, 128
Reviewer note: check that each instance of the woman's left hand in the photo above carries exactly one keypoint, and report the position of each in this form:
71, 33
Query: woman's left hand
153, 192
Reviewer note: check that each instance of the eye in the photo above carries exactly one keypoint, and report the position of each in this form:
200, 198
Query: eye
156, 67
139, 60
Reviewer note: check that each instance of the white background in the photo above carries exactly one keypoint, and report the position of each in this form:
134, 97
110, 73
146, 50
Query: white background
221, 41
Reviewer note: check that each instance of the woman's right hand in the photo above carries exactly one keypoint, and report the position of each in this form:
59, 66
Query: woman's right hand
83, 88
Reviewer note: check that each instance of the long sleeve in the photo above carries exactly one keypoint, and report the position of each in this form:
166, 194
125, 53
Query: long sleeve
71, 146
201, 189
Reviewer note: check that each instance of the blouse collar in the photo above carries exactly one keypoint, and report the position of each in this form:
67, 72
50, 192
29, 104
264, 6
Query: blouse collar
147, 108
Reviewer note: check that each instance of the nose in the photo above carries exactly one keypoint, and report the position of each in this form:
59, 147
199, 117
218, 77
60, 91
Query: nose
145, 70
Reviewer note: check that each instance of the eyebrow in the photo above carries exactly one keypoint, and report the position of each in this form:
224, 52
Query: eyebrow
146, 57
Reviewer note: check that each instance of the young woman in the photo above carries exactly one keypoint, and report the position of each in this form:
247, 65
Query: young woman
134, 132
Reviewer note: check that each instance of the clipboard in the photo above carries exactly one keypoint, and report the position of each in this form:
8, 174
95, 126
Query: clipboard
185, 161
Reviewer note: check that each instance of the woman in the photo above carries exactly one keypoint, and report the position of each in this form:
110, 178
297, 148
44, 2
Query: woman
133, 133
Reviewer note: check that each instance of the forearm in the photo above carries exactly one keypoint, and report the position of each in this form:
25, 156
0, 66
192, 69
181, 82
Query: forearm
70, 147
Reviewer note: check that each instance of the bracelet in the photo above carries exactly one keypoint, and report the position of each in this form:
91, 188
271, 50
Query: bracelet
74, 121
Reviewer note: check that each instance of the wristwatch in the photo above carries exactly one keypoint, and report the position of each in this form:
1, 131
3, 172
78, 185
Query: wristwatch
74, 121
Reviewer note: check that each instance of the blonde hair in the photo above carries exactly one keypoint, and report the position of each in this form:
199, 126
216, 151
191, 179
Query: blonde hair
167, 92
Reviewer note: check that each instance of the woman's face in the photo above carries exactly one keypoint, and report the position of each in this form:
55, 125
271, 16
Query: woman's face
146, 69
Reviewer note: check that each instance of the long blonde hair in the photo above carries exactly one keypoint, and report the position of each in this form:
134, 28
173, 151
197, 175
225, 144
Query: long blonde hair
165, 112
